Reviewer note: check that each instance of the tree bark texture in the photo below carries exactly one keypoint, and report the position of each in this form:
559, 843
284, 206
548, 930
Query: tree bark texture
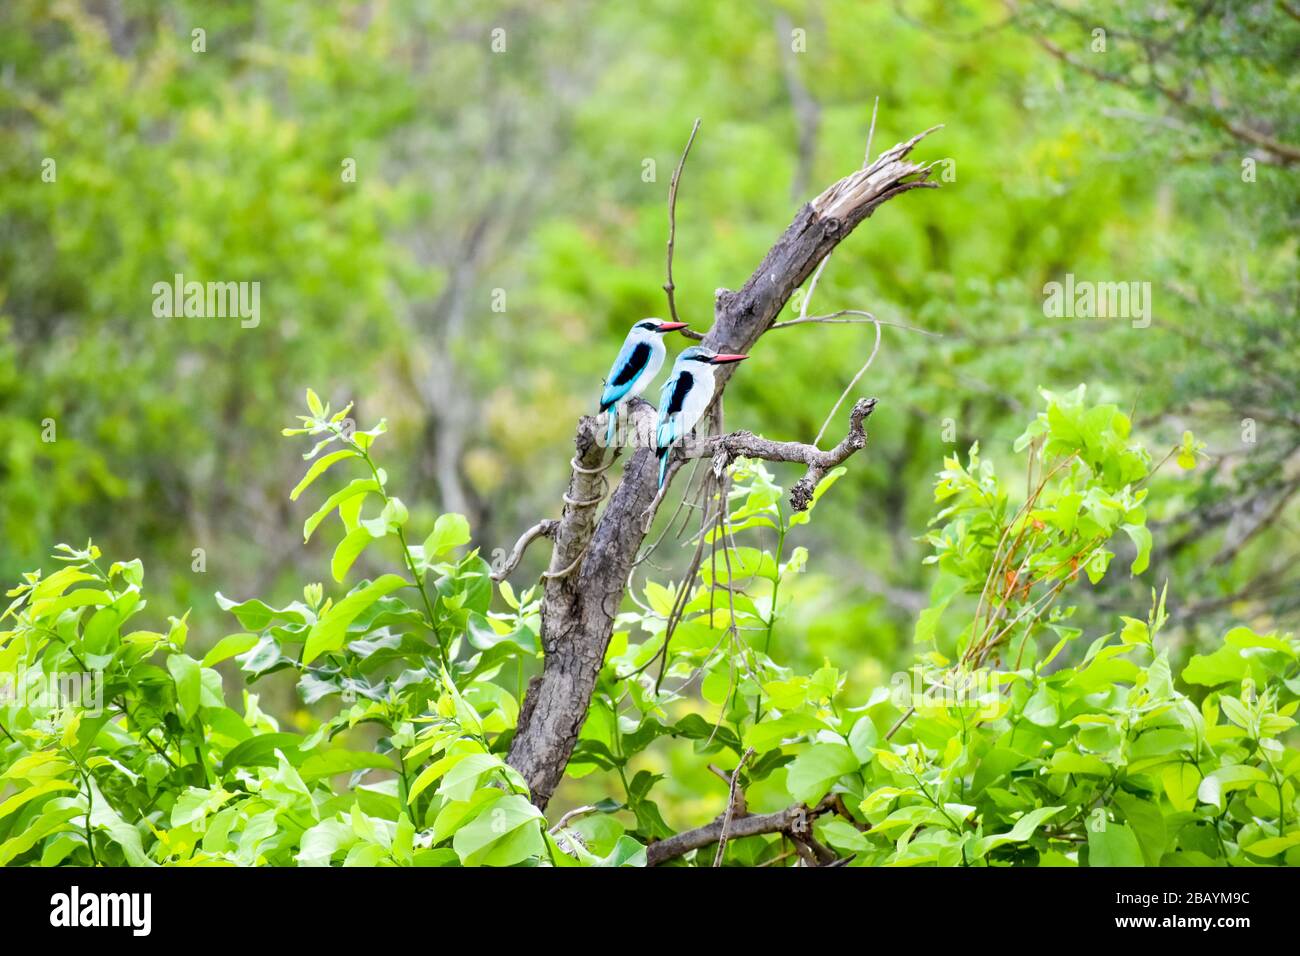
593, 553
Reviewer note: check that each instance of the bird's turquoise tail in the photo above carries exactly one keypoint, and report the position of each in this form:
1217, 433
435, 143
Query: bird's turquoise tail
612, 430
663, 464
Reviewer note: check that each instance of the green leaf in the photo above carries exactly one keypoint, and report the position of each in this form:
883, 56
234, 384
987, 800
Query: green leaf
1181, 781
771, 732
260, 751
188, 676
263, 658
229, 646
1219, 667
1219, 783
429, 774
843, 836
353, 543
104, 817
38, 765
1041, 709
101, 632
927, 623
472, 586
322, 841
461, 780
358, 486
1135, 631
495, 830
318, 468
53, 607
390, 520
195, 804
1141, 537
449, 531
1113, 844
813, 772
52, 820
482, 636
1272, 846
863, 739
255, 615
333, 762
626, 852
31, 793
457, 813
1068, 761
1235, 711
1147, 824
1020, 832
58, 582
330, 632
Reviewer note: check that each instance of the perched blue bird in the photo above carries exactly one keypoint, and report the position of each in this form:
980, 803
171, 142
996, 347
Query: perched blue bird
686, 397
638, 362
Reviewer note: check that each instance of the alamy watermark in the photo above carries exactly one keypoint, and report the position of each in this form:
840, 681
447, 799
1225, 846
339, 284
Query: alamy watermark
1084, 299
211, 300
949, 688
83, 691
133, 911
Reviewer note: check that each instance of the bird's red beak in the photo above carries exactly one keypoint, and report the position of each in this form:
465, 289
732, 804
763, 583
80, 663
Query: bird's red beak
671, 326
724, 359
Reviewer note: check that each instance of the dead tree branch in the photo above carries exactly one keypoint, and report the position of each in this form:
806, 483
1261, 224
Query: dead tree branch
543, 529
724, 449
794, 822
579, 606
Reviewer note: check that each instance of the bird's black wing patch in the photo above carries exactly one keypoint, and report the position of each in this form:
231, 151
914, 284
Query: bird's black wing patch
635, 363
683, 388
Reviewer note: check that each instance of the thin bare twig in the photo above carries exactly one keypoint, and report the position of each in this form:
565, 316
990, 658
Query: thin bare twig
803, 306
852, 384
899, 723
835, 318
573, 814
735, 801
871, 133
670, 287
543, 529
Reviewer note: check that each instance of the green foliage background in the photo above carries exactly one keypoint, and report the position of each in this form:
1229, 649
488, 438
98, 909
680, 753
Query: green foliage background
524, 173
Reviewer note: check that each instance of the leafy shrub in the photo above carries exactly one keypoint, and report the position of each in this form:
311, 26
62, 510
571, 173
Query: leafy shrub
1008, 742
166, 772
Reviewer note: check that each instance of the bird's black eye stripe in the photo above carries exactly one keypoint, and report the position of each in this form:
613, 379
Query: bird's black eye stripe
648, 326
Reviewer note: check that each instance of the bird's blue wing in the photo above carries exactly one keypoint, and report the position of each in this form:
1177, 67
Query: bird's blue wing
673, 407
666, 431
627, 368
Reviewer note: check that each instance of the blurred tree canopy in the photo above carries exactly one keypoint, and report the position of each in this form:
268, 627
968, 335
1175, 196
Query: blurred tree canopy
455, 212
